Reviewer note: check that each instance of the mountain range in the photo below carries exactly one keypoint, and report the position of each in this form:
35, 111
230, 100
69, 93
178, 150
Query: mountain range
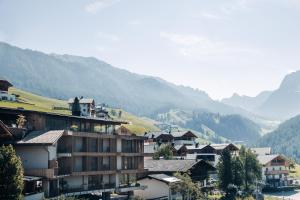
65, 76
282, 103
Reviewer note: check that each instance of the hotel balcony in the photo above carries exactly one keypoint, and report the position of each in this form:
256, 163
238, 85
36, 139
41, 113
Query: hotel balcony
107, 187
46, 173
276, 172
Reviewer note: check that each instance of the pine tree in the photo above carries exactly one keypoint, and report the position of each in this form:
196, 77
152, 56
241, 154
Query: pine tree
237, 171
76, 107
11, 174
225, 170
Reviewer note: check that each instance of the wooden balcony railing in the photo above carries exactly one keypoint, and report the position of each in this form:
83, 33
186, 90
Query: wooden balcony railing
47, 173
276, 172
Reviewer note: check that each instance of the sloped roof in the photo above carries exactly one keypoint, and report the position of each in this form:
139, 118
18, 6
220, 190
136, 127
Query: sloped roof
265, 159
164, 178
4, 81
83, 100
261, 151
41, 138
177, 147
5, 132
182, 133
151, 135
222, 146
169, 165
191, 147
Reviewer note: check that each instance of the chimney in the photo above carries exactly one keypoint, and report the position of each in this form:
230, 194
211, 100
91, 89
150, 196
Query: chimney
197, 145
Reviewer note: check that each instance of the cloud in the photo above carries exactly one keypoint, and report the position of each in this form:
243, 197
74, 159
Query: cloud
108, 37
97, 5
181, 39
209, 15
195, 46
134, 22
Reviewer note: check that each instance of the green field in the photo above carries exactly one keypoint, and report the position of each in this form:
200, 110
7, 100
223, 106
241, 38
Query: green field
29, 101
295, 172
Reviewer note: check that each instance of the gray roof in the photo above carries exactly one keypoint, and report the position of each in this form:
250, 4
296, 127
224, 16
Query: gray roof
83, 100
265, 159
38, 137
177, 147
222, 146
164, 178
151, 135
169, 165
191, 147
181, 133
262, 150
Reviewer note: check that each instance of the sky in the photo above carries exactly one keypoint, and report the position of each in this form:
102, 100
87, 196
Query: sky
221, 47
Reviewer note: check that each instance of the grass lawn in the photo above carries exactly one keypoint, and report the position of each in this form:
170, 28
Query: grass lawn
295, 172
29, 101
137, 125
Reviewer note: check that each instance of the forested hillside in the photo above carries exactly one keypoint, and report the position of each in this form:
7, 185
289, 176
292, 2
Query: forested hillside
285, 139
232, 127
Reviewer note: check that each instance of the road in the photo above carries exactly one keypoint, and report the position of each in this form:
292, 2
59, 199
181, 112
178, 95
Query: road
286, 195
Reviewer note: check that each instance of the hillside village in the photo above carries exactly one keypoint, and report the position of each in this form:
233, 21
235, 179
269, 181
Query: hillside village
84, 150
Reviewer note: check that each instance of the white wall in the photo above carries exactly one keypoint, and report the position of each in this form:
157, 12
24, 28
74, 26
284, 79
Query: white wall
52, 152
155, 189
33, 156
7, 97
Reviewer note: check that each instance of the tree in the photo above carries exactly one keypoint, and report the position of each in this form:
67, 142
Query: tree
225, 170
76, 107
11, 174
164, 151
21, 120
237, 171
242, 171
252, 168
186, 187
291, 163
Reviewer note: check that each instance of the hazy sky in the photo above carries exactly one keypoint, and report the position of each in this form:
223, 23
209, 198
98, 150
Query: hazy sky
222, 47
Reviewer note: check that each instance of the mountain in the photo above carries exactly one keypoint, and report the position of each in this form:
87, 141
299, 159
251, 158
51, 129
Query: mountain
285, 139
246, 102
284, 102
214, 125
65, 76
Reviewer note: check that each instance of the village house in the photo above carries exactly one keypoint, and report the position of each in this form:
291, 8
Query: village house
87, 106
159, 186
274, 171
262, 151
4, 95
211, 152
199, 170
74, 155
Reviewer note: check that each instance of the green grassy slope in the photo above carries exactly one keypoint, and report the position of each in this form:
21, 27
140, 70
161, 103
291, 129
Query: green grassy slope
29, 101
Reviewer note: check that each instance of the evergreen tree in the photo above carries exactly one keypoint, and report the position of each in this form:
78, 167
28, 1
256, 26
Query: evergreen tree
164, 151
11, 174
225, 170
76, 107
237, 171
